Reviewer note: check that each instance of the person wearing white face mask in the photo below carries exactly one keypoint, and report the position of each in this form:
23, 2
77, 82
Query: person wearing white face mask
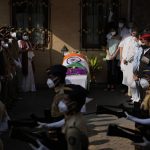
14, 52
73, 126
123, 31
25, 37
112, 59
56, 80
127, 52
27, 61
141, 66
71, 132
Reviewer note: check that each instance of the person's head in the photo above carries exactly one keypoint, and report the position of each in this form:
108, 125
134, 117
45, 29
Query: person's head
134, 32
113, 31
13, 32
145, 38
72, 100
19, 35
121, 22
56, 75
5, 43
25, 36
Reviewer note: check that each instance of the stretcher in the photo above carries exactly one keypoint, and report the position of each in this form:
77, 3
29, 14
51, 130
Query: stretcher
78, 69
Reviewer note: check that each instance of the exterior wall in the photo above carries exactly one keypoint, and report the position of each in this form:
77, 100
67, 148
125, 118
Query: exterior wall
141, 13
4, 12
65, 25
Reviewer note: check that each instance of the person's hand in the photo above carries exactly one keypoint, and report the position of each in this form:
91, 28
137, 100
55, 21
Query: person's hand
41, 146
42, 125
111, 57
125, 62
145, 144
127, 115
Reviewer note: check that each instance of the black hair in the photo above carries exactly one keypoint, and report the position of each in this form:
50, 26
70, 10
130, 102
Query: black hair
57, 70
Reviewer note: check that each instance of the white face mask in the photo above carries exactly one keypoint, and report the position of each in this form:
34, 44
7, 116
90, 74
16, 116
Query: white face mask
10, 40
5, 45
25, 37
121, 25
50, 83
62, 107
113, 33
13, 34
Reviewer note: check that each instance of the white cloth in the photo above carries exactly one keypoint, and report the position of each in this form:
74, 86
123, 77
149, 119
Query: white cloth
77, 79
129, 48
134, 90
28, 83
112, 45
137, 59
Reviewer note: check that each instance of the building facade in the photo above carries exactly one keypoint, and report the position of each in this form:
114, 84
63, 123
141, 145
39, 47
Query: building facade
76, 24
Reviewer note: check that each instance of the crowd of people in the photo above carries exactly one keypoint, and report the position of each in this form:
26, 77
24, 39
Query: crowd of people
127, 58
16, 64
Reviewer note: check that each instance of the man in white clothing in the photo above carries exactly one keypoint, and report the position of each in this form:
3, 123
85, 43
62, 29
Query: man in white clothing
128, 47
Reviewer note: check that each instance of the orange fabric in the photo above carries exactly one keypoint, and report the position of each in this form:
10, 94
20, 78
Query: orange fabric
72, 55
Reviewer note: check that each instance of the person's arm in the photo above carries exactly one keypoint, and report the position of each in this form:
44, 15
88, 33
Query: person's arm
138, 120
116, 52
57, 124
41, 146
120, 49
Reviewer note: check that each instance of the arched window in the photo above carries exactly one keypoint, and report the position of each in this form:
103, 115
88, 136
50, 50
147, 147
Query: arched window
95, 17
32, 16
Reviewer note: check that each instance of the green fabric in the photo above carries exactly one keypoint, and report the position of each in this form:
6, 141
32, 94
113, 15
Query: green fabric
75, 65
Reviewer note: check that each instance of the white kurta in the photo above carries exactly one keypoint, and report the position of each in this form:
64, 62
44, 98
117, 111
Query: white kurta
129, 47
28, 83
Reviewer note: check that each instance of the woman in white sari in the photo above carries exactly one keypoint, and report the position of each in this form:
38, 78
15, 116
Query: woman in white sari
27, 54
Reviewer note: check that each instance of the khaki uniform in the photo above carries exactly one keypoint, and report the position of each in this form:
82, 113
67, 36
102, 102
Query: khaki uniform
59, 96
75, 131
